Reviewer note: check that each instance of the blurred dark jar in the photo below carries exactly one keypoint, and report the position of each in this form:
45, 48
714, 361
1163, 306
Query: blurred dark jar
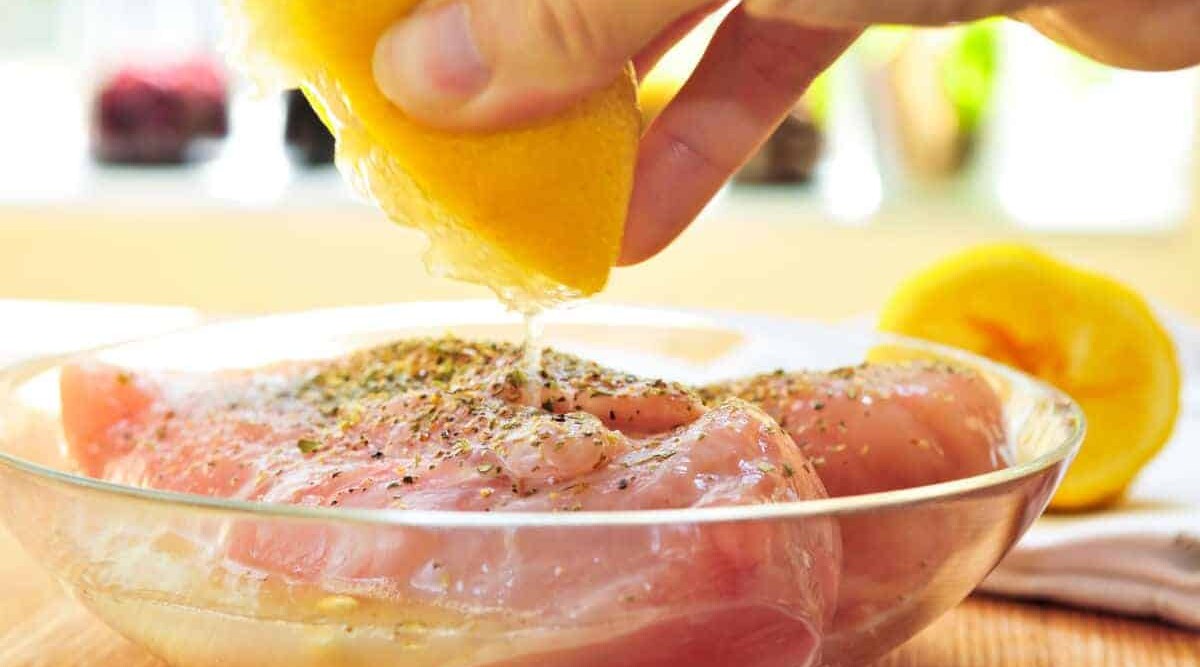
157, 89
790, 155
310, 141
159, 114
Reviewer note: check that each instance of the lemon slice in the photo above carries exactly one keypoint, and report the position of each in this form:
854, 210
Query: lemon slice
535, 213
1087, 334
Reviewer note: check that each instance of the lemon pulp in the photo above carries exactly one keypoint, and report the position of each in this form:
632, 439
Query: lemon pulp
535, 213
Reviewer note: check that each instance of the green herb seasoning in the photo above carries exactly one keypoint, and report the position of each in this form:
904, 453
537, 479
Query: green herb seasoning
307, 446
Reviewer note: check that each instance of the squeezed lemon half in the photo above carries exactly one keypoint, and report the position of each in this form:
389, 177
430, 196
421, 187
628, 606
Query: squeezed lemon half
1085, 333
535, 213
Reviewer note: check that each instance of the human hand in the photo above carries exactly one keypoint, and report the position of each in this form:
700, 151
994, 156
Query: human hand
486, 64
1136, 34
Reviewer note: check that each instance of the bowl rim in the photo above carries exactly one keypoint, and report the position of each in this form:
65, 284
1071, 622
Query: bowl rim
14, 374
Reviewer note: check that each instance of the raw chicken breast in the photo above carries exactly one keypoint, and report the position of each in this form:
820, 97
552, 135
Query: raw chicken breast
879, 428
883, 427
451, 425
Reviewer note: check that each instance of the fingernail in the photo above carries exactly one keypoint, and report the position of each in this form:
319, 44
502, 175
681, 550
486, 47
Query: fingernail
431, 59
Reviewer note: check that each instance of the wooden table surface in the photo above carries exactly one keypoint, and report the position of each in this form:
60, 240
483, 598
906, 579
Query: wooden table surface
789, 265
41, 627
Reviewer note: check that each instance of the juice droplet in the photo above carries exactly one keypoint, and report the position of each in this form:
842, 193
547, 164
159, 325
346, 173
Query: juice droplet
531, 362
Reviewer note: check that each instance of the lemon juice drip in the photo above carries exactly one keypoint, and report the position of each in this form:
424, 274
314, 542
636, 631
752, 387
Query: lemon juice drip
531, 362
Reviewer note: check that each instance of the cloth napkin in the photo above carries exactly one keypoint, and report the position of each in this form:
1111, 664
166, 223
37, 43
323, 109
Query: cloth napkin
1140, 558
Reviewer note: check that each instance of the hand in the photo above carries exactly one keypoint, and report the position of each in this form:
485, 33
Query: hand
485, 64
1137, 34
488, 64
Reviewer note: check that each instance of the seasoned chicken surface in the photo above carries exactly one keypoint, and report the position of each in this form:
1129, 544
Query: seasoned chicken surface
453, 425
882, 427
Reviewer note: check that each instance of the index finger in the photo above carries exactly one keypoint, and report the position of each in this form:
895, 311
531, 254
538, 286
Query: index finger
752, 75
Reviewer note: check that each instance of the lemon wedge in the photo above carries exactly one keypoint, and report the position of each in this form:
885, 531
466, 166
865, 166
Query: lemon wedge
1085, 333
535, 213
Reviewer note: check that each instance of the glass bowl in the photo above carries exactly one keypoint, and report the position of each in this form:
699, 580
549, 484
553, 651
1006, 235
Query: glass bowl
154, 565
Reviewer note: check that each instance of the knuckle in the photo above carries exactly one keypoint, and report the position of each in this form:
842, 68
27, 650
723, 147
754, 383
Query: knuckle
698, 155
572, 34
777, 58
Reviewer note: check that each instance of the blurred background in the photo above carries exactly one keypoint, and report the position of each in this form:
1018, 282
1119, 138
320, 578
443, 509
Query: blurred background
135, 167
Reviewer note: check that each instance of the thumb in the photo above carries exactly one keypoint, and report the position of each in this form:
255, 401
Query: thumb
486, 64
